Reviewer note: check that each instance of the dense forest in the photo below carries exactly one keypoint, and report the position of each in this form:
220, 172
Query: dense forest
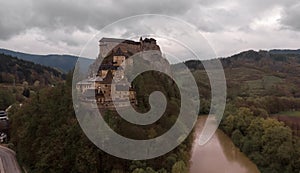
63, 63
19, 79
270, 144
47, 137
13, 70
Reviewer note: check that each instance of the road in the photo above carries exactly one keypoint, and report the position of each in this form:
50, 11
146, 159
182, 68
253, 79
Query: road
8, 161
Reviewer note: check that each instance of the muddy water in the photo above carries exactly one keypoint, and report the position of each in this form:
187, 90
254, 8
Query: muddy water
219, 155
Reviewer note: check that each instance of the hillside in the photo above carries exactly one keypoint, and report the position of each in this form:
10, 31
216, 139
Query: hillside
259, 85
284, 51
13, 70
252, 73
64, 63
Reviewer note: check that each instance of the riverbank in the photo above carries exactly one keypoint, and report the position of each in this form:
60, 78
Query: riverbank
219, 154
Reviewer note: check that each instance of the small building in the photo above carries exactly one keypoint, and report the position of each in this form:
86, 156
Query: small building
86, 84
110, 88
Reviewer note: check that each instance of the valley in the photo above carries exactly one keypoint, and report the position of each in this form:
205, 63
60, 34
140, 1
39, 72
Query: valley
262, 88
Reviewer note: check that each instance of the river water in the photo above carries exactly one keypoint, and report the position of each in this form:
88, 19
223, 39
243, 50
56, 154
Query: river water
219, 155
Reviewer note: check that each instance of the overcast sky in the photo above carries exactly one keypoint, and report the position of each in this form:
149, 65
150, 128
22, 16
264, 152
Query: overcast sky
230, 26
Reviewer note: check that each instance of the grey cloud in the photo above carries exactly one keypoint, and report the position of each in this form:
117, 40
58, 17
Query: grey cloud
235, 15
54, 14
11, 19
291, 16
71, 23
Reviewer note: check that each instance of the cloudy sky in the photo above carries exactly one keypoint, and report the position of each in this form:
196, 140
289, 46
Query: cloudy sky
230, 26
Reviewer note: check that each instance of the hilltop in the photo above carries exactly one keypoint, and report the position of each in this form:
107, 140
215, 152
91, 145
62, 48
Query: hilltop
63, 63
14, 70
256, 73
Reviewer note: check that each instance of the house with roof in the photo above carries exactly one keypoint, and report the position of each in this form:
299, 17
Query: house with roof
109, 87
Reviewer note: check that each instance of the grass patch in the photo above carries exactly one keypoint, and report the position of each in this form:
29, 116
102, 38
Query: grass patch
290, 113
264, 83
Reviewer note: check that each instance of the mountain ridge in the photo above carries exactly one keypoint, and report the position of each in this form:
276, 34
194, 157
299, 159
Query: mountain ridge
63, 63
14, 70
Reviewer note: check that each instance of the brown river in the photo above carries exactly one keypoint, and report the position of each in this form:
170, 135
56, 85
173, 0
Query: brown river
219, 155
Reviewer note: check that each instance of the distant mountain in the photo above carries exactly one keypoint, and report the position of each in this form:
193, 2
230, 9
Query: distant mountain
14, 70
284, 51
64, 63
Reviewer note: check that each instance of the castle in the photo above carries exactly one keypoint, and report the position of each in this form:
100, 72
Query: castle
100, 85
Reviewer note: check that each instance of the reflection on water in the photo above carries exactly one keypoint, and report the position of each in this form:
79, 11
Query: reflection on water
219, 155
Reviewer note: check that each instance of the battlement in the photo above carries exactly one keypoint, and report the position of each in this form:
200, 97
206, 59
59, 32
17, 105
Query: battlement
109, 46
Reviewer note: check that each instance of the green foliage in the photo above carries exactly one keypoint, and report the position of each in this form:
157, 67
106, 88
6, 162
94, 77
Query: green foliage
139, 170
290, 113
280, 58
237, 138
47, 137
6, 99
179, 167
26, 93
204, 107
267, 142
262, 106
13, 70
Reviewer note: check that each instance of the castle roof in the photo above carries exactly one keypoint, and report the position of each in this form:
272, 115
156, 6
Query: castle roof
149, 40
119, 52
90, 80
107, 67
122, 87
84, 82
108, 78
89, 93
96, 79
105, 39
117, 40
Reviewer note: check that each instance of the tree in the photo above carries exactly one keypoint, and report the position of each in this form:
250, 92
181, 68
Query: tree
47, 135
26, 93
277, 144
6, 99
179, 167
163, 170
139, 170
228, 124
243, 119
237, 138
296, 155
170, 161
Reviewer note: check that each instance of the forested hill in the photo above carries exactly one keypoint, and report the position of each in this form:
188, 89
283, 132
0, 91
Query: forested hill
262, 87
16, 70
258, 73
63, 63
271, 60
284, 51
